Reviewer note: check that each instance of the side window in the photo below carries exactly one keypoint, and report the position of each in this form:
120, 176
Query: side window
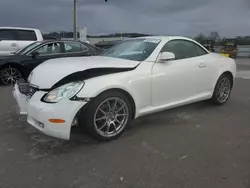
71, 47
200, 50
183, 49
7, 34
190, 49
173, 46
84, 48
50, 49
27, 35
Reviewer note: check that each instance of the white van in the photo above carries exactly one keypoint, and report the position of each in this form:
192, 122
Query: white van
15, 38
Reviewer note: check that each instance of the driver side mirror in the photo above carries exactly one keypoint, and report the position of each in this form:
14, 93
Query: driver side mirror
34, 54
166, 56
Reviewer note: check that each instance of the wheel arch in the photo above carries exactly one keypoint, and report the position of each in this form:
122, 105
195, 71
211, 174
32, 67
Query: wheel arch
225, 72
14, 65
127, 94
214, 98
230, 74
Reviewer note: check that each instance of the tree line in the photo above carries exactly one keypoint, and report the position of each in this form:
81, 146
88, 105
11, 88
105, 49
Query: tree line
239, 40
64, 34
214, 35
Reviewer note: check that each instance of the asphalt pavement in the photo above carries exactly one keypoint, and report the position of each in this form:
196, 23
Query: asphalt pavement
196, 146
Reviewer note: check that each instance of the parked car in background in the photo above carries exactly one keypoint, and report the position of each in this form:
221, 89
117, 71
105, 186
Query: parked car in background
140, 76
107, 44
22, 62
45, 37
15, 38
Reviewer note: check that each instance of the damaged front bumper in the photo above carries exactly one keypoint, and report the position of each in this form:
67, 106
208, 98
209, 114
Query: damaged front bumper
40, 113
21, 99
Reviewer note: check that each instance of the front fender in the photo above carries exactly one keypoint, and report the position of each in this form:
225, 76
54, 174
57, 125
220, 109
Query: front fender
136, 83
89, 91
92, 88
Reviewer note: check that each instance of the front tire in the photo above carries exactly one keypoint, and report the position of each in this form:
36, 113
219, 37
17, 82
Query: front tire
222, 90
9, 75
108, 115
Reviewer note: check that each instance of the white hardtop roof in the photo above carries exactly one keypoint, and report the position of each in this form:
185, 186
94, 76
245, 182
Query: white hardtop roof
166, 38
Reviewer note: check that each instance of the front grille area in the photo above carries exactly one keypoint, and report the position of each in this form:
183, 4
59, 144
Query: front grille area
26, 89
32, 91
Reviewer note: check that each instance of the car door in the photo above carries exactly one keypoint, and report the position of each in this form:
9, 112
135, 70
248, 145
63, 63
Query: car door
45, 52
180, 79
8, 41
75, 49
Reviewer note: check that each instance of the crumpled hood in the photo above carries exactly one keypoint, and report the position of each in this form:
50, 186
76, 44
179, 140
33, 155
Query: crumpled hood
52, 71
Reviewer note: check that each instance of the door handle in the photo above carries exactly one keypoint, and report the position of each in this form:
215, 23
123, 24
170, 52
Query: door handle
202, 65
13, 44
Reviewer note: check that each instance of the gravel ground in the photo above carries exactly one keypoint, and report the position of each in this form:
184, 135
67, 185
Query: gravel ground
196, 146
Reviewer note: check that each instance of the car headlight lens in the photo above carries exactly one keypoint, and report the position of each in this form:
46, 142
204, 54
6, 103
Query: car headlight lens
64, 92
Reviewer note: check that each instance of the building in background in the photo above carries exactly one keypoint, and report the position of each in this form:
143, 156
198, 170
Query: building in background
83, 35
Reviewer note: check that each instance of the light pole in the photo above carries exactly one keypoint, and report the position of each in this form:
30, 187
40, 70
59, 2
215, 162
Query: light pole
75, 19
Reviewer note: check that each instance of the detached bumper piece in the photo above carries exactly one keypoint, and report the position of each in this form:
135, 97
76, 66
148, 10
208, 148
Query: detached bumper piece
21, 99
22, 92
23, 87
26, 89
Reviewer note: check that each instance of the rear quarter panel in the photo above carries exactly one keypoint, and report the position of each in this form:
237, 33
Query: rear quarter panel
223, 64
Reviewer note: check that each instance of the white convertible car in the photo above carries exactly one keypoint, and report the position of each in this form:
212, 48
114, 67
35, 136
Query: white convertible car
134, 78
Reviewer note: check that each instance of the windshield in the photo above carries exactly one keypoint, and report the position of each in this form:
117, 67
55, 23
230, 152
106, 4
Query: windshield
136, 49
27, 48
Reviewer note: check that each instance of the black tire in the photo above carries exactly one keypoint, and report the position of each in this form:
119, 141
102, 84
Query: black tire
9, 75
219, 97
88, 117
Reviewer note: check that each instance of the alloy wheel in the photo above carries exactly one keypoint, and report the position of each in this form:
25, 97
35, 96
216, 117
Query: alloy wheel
223, 89
10, 75
111, 117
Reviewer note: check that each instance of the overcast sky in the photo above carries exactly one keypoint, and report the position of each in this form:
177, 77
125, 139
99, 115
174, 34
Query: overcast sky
163, 17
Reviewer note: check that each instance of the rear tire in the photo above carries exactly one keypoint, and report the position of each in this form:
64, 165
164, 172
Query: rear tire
222, 90
107, 116
9, 75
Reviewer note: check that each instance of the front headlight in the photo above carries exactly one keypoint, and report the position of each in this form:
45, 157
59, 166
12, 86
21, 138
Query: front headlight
64, 92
